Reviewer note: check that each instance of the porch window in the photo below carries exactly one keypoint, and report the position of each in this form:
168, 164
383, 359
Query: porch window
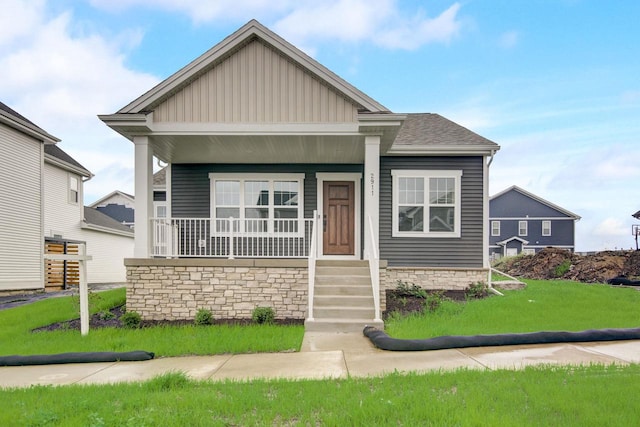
426, 203
546, 228
263, 203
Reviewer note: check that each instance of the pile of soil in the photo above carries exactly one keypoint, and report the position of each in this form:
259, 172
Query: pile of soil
553, 263
404, 304
112, 320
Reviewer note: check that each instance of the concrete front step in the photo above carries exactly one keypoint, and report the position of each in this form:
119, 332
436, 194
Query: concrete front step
365, 301
344, 312
342, 271
347, 290
340, 325
334, 279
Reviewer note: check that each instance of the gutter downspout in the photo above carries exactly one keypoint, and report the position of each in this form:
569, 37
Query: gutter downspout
486, 225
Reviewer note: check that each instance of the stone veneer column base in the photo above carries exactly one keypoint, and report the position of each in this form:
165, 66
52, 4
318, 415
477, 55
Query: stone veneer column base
175, 289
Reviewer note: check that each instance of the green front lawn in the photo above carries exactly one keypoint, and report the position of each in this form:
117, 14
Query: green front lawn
552, 396
16, 336
542, 306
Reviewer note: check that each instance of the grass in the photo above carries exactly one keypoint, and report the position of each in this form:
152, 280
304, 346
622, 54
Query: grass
16, 336
566, 396
542, 306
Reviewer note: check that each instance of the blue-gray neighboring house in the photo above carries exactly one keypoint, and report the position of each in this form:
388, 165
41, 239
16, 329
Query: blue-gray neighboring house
521, 222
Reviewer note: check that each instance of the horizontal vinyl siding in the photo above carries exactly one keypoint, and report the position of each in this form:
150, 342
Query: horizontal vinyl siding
60, 216
21, 243
465, 251
256, 85
108, 252
190, 185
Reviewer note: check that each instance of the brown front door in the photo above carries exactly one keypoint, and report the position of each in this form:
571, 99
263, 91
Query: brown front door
338, 218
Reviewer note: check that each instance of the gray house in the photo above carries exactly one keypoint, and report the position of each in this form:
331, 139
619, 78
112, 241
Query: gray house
288, 187
521, 222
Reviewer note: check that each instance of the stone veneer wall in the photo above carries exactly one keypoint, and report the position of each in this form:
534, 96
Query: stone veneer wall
434, 278
174, 289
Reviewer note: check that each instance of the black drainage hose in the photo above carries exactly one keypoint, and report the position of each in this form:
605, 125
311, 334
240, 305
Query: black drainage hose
384, 342
55, 359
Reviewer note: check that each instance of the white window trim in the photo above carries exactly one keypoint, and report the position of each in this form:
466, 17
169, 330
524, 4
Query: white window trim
242, 177
426, 174
79, 183
520, 228
356, 177
495, 231
546, 232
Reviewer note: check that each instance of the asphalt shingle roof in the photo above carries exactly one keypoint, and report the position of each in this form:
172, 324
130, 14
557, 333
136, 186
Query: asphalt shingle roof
58, 153
94, 217
420, 129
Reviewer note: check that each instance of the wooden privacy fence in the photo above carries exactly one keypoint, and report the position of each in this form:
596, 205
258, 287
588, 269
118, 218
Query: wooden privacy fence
60, 274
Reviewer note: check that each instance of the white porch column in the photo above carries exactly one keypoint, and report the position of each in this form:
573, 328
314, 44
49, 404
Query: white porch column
371, 192
144, 196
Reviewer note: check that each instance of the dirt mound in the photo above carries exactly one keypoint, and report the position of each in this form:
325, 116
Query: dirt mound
553, 263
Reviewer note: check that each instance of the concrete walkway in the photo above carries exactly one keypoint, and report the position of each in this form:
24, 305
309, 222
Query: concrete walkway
322, 356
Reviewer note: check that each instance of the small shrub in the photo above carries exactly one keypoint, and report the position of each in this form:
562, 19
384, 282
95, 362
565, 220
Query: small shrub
562, 268
434, 300
106, 315
203, 317
410, 289
477, 290
263, 315
131, 320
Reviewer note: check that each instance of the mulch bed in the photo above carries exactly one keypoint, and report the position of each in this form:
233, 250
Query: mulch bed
99, 320
405, 304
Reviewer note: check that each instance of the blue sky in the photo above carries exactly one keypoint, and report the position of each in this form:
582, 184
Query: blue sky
555, 82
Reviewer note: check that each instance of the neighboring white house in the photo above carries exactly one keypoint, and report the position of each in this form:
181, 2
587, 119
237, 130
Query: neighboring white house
66, 218
21, 175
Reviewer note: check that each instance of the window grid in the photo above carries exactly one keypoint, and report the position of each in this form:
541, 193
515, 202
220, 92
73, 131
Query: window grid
546, 228
522, 228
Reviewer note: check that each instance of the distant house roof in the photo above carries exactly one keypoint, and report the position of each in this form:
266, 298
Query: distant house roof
57, 156
432, 132
115, 193
538, 199
636, 215
120, 213
160, 178
97, 221
17, 121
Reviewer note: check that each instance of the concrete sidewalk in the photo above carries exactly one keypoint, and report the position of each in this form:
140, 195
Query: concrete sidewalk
325, 355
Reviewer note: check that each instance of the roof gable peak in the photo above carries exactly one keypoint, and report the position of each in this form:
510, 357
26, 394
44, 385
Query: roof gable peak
227, 47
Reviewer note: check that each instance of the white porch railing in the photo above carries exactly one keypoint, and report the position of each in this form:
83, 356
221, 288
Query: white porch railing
374, 270
231, 238
313, 250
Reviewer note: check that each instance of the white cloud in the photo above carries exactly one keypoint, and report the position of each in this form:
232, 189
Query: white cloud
509, 39
301, 22
61, 79
18, 19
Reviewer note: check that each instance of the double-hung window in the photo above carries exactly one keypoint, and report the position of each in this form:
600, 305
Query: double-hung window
523, 228
74, 189
495, 228
257, 203
426, 203
546, 228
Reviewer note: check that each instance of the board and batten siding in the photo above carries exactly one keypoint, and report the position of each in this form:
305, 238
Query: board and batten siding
256, 84
21, 242
190, 184
463, 252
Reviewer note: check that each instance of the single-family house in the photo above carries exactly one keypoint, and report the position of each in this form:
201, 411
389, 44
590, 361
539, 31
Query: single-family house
117, 205
21, 249
288, 187
521, 222
67, 220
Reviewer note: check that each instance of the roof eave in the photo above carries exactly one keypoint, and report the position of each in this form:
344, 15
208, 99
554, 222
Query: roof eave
27, 128
88, 226
67, 166
443, 150
127, 124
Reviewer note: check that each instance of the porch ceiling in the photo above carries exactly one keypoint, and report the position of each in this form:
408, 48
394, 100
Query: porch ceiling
258, 148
